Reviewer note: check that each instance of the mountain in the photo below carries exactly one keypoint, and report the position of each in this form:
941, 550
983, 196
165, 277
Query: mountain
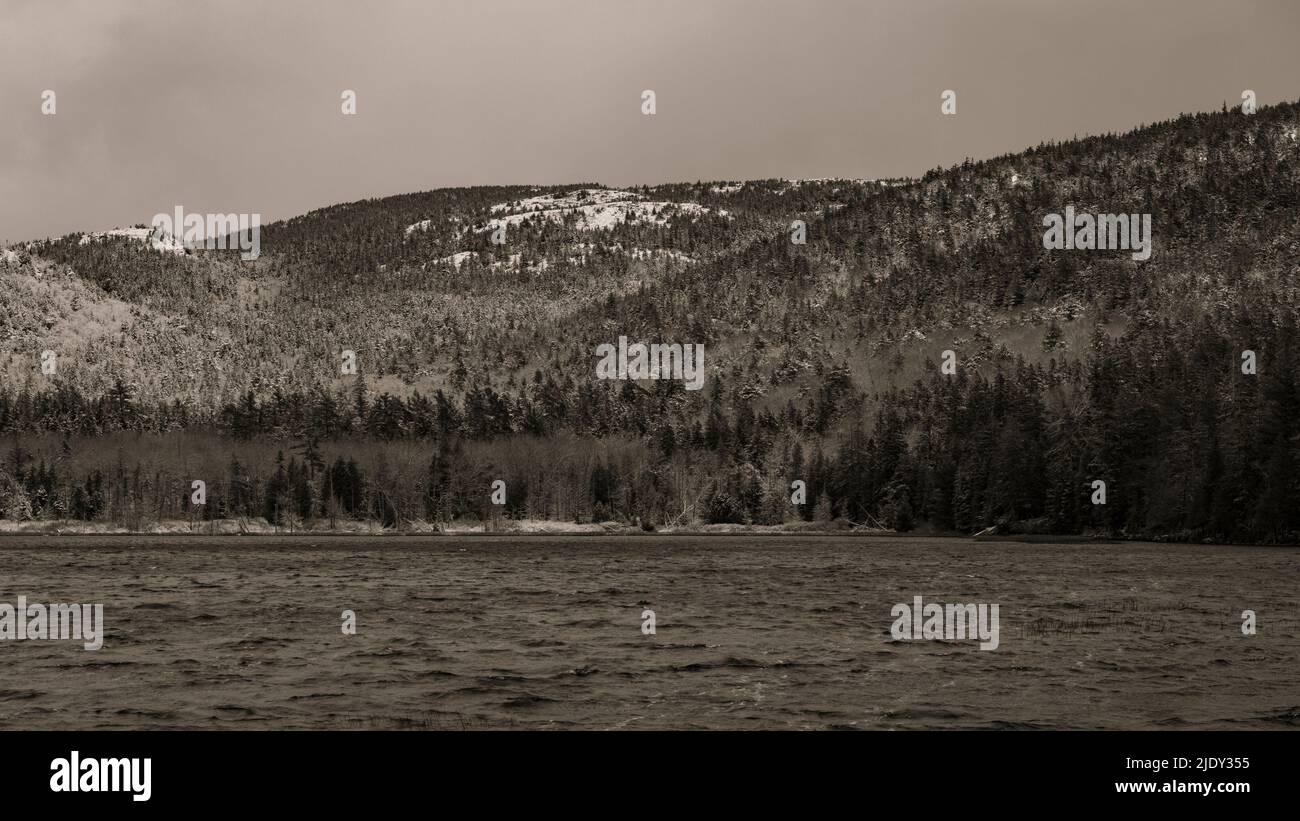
825, 359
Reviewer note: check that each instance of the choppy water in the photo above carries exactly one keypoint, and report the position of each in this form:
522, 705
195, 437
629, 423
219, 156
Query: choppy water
545, 632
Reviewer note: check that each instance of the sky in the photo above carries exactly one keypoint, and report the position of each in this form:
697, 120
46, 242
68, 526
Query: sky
234, 106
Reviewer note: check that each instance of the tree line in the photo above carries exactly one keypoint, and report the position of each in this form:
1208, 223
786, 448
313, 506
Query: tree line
1189, 447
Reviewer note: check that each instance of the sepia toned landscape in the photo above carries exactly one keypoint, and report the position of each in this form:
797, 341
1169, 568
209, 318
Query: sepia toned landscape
692, 365
383, 362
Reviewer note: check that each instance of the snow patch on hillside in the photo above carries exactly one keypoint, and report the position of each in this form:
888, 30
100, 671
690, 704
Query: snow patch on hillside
660, 253
168, 244
596, 209
456, 259
588, 209
578, 254
799, 183
566, 201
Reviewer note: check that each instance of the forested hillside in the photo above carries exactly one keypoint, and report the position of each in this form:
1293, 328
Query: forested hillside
477, 359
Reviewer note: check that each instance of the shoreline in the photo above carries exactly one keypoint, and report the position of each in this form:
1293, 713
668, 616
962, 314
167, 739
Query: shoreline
541, 530
16, 538
500, 527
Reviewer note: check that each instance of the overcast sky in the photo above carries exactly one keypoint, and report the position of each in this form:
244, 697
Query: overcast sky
234, 106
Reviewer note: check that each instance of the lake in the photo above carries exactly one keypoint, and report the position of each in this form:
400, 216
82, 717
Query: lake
751, 632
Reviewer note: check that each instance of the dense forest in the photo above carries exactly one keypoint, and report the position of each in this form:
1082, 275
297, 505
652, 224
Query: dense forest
476, 360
